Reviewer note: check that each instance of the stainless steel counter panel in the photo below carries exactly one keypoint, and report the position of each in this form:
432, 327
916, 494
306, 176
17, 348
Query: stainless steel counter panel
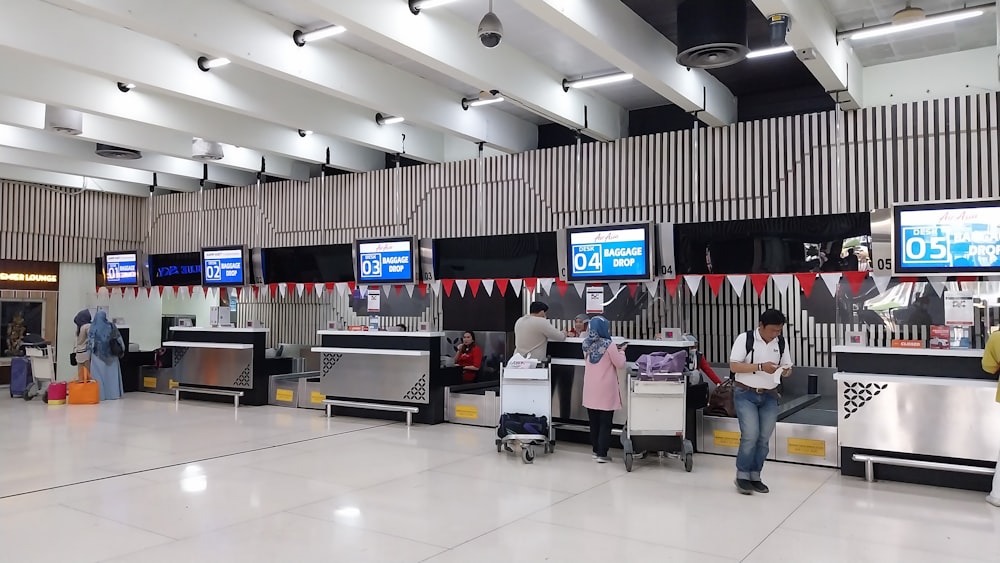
943, 417
373, 375
214, 366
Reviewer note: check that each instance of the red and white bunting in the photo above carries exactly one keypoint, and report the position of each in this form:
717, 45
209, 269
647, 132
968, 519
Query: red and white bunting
409, 289
462, 286
739, 283
502, 285
300, 288
318, 288
715, 282
672, 285
781, 282
474, 285
855, 280
159, 288
881, 282
386, 289
436, 287
652, 287
488, 285
615, 287
516, 285
806, 281
832, 281
759, 282
283, 290
342, 289
581, 288
693, 283
545, 284
937, 284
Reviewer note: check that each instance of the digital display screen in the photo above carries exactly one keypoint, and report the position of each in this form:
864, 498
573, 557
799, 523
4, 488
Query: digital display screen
121, 268
181, 269
948, 238
385, 261
609, 253
223, 266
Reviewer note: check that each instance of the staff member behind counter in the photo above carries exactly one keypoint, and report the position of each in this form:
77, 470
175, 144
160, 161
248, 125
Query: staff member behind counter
533, 331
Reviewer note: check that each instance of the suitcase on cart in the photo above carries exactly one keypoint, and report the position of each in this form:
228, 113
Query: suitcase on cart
20, 375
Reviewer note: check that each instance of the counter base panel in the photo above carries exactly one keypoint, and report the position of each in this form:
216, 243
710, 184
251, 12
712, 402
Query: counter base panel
806, 444
918, 476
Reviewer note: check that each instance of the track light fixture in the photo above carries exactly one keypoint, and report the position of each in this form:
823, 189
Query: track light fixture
126, 86
595, 80
304, 133
302, 37
417, 5
385, 119
769, 52
484, 98
206, 64
909, 19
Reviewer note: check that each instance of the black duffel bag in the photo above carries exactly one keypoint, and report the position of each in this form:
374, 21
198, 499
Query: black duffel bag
517, 423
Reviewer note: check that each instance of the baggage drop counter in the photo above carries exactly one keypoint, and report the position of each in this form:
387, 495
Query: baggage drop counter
921, 416
230, 359
383, 369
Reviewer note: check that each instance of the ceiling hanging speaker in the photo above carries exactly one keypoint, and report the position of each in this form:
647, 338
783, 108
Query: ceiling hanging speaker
66, 121
711, 33
206, 150
117, 153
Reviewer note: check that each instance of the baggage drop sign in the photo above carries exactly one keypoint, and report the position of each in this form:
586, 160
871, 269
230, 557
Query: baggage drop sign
609, 254
385, 262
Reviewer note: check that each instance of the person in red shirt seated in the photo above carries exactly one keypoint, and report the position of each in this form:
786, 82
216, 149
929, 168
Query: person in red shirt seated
700, 363
469, 357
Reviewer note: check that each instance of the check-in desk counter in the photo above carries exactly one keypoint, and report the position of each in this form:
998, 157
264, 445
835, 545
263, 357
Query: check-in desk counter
384, 368
567, 380
224, 358
917, 415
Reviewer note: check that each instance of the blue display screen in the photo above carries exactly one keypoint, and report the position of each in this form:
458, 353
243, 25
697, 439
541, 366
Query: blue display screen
948, 239
609, 254
222, 266
388, 261
121, 269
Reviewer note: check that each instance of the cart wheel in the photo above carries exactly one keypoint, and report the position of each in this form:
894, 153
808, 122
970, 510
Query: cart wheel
688, 462
499, 446
547, 448
528, 454
629, 459
552, 447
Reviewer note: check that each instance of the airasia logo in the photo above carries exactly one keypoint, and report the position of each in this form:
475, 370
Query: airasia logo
383, 248
605, 237
953, 217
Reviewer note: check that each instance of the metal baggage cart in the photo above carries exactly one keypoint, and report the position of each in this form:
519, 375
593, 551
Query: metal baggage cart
657, 416
526, 390
43, 370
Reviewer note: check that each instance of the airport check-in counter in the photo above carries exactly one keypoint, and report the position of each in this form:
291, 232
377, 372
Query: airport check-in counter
223, 358
383, 369
923, 416
567, 379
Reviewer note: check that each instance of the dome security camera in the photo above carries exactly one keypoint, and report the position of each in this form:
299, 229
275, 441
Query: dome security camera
490, 30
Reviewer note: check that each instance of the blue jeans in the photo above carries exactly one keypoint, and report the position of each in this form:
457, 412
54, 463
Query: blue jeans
757, 415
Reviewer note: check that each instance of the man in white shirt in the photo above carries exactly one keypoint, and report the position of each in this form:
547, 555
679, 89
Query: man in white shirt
533, 331
758, 366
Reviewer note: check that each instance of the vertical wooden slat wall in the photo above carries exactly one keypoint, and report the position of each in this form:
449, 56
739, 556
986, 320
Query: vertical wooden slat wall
939, 149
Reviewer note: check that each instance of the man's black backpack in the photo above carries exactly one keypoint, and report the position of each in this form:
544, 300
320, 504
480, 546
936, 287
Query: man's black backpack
750, 340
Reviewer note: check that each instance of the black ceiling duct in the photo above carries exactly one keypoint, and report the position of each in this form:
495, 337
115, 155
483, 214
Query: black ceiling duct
711, 33
117, 153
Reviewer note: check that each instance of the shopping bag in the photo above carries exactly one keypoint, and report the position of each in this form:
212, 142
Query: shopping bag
85, 390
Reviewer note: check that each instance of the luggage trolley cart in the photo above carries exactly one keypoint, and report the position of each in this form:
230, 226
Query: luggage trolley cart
43, 371
526, 391
657, 415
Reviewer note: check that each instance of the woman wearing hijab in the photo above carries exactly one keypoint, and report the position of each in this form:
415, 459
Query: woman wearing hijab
104, 365
82, 322
601, 395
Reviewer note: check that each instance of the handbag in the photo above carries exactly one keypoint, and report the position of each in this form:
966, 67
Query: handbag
72, 359
662, 362
83, 391
116, 343
721, 401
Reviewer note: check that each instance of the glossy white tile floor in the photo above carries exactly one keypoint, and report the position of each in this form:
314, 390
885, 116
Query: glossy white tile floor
137, 480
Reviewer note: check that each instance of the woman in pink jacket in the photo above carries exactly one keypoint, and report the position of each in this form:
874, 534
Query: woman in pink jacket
601, 395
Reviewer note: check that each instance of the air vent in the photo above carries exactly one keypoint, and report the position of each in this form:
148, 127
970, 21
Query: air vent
66, 121
117, 153
711, 33
206, 150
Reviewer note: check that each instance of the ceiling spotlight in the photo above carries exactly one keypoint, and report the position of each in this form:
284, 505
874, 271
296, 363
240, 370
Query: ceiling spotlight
302, 37
769, 52
206, 64
305, 132
385, 119
595, 81
908, 19
417, 5
484, 98
126, 86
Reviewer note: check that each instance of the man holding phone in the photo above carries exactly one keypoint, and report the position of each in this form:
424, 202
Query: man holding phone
758, 361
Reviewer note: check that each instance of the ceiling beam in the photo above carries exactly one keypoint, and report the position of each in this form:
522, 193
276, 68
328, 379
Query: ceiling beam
359, 84
80, 148
813, 30
441, 41
54, 163
617, 34
57, 179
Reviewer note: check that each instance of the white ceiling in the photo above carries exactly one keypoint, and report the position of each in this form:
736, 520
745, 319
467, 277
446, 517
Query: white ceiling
939, 40
388, 61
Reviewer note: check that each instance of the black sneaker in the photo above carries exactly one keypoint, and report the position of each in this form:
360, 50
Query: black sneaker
759, 487
744, 486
